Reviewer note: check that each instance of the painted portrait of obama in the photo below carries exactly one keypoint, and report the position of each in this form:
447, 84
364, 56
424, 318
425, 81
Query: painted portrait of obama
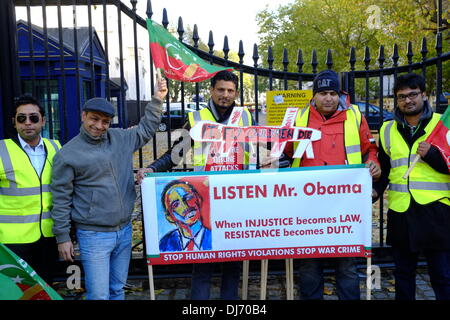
184, 207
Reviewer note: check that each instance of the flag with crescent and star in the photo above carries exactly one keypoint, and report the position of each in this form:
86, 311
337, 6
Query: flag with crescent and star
18, 281
175, 59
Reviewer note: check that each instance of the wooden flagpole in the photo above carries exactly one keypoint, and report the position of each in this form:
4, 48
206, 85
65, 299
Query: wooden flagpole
289, 279
151, 282
264, 270
413, 164
158, 74
369, 279
287, 266
149, 266
245, 268
291, 262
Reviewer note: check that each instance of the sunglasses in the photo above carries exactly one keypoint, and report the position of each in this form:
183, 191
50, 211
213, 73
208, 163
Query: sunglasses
34, 118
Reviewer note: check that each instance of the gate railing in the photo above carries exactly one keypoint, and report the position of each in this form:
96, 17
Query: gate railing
89, 74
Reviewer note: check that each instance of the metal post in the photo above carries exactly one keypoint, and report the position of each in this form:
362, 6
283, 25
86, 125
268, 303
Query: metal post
9, 69
441, 104
439, 16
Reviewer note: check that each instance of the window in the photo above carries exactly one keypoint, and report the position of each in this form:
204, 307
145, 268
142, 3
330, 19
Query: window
50, 102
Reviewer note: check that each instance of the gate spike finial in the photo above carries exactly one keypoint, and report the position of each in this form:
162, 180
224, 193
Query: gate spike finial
300, 61
195, 36
329, 61
270, 58
395, 56
211, 42
314, 62
226, 48
424, 50
352, 59
285, 59
381, 58
255, 55
149, 11
409, 52
367, 58
241, 52
133, 4
180, 29
165, 20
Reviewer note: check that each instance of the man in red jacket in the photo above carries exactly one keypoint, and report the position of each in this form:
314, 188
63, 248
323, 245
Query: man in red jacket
346, 139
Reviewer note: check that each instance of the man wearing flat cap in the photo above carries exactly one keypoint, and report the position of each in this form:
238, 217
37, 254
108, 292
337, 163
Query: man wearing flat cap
346, 139
93, 187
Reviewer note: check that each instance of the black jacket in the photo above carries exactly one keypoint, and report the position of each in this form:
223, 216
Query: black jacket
166, 161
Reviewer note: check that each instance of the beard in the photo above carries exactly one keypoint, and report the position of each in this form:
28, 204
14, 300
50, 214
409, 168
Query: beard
414, 111
222, 108
29, 135
224, 103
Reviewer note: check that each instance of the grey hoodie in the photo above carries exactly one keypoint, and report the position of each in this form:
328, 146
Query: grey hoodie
92, 178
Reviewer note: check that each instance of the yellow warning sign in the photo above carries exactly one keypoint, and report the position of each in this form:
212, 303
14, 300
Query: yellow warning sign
278, 101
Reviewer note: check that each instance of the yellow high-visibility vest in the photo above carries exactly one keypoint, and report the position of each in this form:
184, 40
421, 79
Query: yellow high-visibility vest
25, 198
352, 140
424, 183
200, 148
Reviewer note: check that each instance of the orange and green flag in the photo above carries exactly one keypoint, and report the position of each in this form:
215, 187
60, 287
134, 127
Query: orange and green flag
18, 281
175, 59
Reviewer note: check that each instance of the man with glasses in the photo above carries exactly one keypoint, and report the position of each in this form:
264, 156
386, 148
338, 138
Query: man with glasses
419, 205
25, 198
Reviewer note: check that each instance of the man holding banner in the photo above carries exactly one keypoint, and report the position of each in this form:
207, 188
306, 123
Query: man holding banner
346, 139
224, 91
419, 202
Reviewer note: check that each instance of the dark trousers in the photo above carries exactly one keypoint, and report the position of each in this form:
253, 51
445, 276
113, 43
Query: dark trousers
201, 280
41, 255
311, 281
405, 273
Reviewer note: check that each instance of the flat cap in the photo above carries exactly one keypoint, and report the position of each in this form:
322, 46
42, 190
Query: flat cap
99, 105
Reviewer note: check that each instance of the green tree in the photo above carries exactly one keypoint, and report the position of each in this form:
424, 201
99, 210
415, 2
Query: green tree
316, 25
341, 24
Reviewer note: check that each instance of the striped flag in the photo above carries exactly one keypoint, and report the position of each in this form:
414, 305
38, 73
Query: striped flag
177, 61
18, 281
440, 137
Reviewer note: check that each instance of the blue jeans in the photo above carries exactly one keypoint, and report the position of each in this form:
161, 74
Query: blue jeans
105, 257
312, 283
201, 280
405, 273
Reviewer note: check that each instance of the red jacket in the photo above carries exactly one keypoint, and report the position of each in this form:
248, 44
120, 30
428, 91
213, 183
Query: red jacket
330, 149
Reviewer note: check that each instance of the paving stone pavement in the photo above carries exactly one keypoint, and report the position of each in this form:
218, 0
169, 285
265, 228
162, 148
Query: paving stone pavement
179, 288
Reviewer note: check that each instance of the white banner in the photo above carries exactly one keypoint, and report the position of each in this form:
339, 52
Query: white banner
248, 215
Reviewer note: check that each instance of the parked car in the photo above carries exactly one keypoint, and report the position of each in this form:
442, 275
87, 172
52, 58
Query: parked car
193, 105
176, 117
373, 119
